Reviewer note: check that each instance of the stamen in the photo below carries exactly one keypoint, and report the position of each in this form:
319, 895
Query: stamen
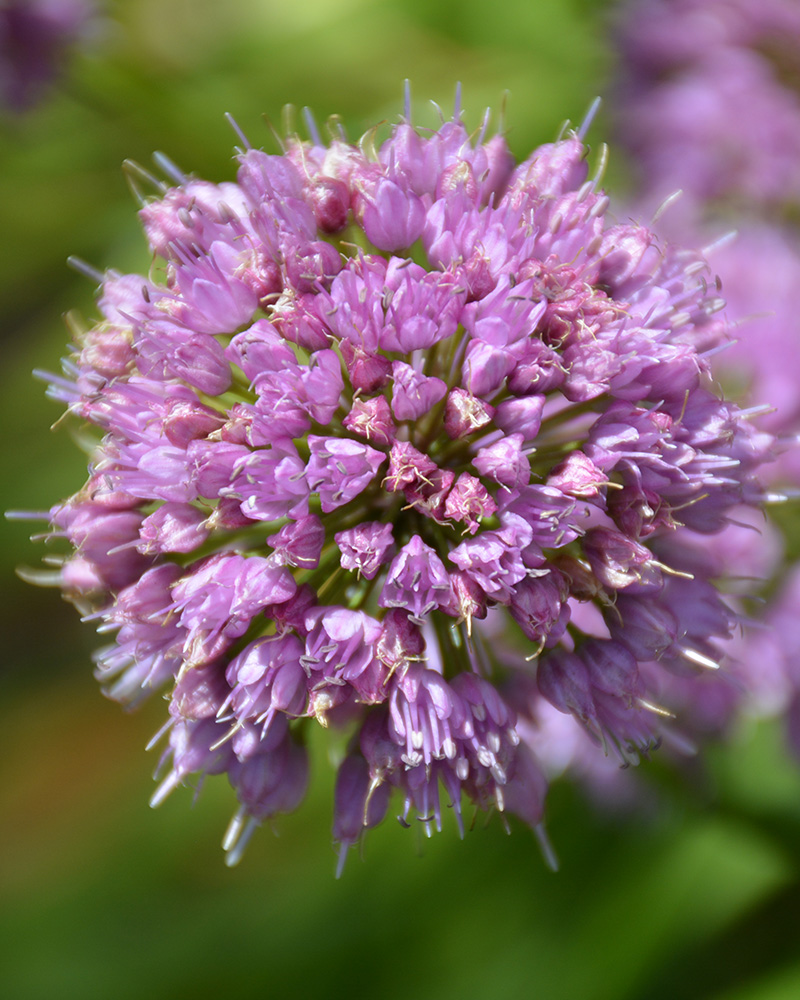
235, 126
167, 166
136, 174
407, 100
40, 577
698, 658
79, 265
311, 125
165, 789
238, 838
666, 204
548, 852
594, 107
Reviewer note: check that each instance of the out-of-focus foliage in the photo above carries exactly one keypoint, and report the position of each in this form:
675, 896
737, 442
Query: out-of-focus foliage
695, 896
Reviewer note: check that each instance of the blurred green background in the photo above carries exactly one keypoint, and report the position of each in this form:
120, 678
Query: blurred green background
697, 896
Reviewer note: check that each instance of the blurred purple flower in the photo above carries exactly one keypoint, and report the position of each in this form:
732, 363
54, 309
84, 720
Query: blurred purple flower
35, 39
709, 101
702, 101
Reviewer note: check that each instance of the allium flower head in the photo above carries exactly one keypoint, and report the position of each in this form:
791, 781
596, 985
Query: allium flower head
402, 438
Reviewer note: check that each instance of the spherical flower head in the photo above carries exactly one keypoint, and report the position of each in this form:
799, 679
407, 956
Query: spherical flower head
400, 443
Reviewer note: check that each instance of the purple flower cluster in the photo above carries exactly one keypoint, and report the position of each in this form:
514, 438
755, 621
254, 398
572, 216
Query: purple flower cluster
406, 439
